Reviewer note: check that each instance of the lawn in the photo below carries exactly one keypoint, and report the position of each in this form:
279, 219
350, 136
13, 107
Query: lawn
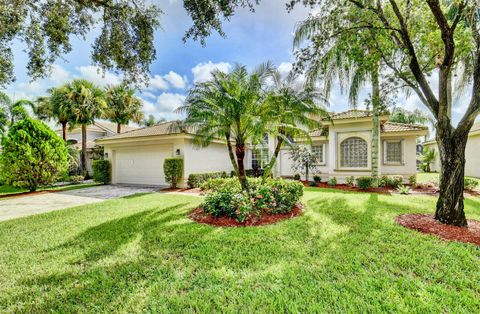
9, 190
142, 254
433, 177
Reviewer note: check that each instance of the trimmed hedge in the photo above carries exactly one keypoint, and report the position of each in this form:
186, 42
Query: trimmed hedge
173, 169
365, 183
195, 180
102, 171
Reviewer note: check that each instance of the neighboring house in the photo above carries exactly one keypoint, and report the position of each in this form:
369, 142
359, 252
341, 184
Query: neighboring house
95, 131
472, 154
137, 156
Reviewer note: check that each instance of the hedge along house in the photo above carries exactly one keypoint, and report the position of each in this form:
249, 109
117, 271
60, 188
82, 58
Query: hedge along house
344, 150
472, 154
137, 156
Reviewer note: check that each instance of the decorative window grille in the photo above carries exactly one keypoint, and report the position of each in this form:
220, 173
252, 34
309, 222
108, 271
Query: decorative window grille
354, 153
318, 150
260, 158
393, 152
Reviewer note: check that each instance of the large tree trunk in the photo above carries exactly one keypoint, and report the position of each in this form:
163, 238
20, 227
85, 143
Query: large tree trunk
376, 119
64, 130
119, 128
84, 149
450, 207
240, 152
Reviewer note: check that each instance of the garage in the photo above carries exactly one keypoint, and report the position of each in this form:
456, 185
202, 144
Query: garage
142, 165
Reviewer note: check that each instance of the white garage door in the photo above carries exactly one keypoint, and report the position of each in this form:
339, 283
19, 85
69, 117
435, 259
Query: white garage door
142, 165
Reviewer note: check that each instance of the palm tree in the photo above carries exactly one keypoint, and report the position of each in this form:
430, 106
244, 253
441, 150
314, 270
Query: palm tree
293, 111
14, 111
349, 57
87, 102
230, 107
151, 121
123, 106
56, 107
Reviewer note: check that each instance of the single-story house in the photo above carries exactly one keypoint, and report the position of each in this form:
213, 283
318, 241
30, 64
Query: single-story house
95, 131
344, 150
472, 154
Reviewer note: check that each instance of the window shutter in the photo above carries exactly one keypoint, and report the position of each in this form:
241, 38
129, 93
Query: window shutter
403, 152
384, 152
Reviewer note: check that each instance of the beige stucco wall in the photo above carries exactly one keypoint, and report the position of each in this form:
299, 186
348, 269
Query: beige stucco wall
409, 167
207, 159
472, 156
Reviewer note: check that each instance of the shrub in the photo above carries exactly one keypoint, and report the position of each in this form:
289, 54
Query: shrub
271, 197
296, 176
317, 179
195, 180
402, 189
76, 179
221, 183
173, 170
412, 180
312, 183
32, 155
102, 171
391, 181
332, 181
365, 183
470, 184
350, 181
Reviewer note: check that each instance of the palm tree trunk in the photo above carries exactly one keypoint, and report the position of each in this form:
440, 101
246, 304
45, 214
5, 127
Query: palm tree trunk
375, 119
64, 130
119, 128
268, 169
231, 154
240, 152
84, 149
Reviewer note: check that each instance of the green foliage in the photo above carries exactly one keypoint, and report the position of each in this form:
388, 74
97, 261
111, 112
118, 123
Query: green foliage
296, 176
405, 190
216, 184
332, 181
365, 183
76, 179
317, 179
151, 121
312, 183
412, 180
195, 180
350, 181
102, 171
33, 155
303, 159
122, 105
272, 196
391, 181
12, 111
427, 158
400, 115
173, 170
124, 42
470, 184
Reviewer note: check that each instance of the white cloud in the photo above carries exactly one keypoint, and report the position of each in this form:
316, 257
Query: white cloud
148, 95
96, 75
176, 80
157, 82
284, 68
59, 75
168, 102
202, 71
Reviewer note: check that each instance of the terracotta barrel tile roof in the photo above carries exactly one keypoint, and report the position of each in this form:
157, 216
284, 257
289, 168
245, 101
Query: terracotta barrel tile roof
351, 114
164, 128
388, 127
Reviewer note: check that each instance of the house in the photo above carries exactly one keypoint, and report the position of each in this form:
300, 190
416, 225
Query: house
137, 156
95, 131
472, 155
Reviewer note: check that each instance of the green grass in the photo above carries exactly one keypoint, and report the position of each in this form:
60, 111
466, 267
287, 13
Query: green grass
142, 254
434, 177
9, 190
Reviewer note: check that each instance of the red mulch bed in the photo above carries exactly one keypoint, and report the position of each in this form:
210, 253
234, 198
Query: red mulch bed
23, 194
427, 224
345, 187
200, 216
186, 190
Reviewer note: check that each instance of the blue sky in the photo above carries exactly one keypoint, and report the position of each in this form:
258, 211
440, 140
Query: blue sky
250, 39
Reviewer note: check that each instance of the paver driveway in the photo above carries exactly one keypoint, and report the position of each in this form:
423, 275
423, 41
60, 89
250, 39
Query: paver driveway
14, 207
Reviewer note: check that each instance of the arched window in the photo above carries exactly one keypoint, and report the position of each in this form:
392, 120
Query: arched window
354, 153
